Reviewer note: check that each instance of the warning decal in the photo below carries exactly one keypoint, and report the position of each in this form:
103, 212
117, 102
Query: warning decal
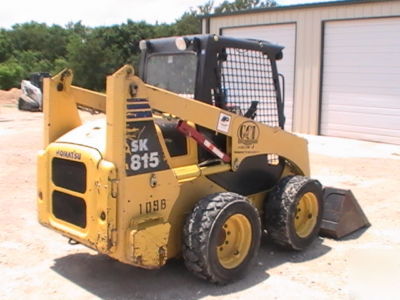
224, 122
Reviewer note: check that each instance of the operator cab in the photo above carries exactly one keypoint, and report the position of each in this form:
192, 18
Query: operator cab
238, 75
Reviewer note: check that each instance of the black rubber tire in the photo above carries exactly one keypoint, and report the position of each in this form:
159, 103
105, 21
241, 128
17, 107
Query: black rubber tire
27, 106
20, 103
202, 232
280, 210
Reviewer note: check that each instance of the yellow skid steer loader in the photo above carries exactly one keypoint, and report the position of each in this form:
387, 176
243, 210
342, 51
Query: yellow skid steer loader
190, 160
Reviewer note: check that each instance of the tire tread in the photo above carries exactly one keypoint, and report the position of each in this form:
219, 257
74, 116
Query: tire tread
196, 233
278, 210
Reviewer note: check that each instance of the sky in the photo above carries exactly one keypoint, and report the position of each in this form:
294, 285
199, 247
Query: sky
101, 12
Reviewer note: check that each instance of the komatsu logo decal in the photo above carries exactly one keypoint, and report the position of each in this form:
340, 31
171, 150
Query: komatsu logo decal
69, 154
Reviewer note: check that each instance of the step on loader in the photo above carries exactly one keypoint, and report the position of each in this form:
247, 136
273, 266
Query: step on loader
191, 159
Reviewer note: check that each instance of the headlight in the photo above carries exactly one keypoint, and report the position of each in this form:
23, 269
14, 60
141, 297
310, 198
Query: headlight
181, 43
143, 45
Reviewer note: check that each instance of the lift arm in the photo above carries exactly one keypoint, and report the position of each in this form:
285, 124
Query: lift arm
60, 101
248, 138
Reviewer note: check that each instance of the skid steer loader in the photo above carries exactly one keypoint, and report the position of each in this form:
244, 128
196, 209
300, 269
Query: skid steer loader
190, 160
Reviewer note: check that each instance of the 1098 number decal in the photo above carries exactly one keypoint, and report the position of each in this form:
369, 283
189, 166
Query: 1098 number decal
152, 206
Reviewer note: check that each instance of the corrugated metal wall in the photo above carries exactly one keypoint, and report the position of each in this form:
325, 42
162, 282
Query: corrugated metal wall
309, 23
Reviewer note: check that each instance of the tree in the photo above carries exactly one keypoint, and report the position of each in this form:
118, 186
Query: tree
59, 64
206, 8
189, 23
240, 5
93, 53
20, 65
6, 47
33, 36
11, 74
30, 47
90, 60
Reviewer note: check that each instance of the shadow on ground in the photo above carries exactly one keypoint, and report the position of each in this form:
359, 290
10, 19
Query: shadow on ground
355, 235
109, 279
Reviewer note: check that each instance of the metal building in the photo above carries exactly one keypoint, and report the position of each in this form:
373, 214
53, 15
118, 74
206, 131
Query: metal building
341, 63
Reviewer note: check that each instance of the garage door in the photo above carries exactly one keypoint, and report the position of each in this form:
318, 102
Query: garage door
282, 34
361, 80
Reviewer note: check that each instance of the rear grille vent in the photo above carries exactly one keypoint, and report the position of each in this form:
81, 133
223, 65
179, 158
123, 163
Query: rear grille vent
69, 208
69, 174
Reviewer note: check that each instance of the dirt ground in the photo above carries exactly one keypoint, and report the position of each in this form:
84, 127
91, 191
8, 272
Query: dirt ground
36, 263
11, 96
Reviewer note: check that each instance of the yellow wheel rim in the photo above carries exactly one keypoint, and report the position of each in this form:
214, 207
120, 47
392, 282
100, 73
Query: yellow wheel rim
234, 241
306, 215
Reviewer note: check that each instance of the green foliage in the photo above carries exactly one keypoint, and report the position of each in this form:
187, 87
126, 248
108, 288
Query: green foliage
11, 74
189, 23
240, 5
161, 30
91, 59
32, 61
59, 64
95, 53
20, 65
5, 45
30, 47
206, 8
92, 53
50, 41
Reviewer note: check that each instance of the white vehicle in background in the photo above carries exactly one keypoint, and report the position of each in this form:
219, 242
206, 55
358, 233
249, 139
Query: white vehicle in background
31, 98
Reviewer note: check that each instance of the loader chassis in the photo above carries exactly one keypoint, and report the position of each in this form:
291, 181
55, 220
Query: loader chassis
138, 185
